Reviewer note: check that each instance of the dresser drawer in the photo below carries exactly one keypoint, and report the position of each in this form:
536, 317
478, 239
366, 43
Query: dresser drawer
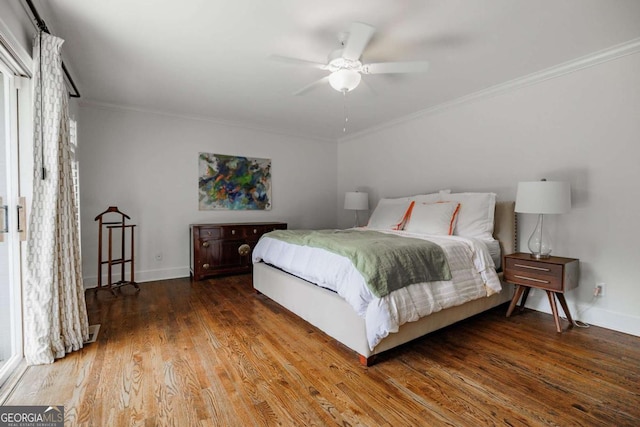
255, 231
534, 273
207, 233
259, 230
233, 231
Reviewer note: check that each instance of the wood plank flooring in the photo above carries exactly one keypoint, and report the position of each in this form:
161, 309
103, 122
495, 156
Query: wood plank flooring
214, 353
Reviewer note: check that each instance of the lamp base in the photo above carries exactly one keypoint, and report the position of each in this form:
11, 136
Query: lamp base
540, 256
539, 242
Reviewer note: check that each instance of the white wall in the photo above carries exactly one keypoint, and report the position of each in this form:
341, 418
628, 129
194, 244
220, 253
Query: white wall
583, 127
17, 27
147, 165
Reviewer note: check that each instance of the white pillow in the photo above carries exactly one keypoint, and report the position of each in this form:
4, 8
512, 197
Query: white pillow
426, 198
475, 218
429, 198
390, 214
433, 218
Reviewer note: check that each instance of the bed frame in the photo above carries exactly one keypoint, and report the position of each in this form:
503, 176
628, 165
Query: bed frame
328, 312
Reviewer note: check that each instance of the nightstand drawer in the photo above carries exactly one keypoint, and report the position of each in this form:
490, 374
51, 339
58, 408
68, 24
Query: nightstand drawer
535, 268
535, 280
533, 273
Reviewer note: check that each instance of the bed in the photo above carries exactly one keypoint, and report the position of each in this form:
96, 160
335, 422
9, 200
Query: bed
332, 314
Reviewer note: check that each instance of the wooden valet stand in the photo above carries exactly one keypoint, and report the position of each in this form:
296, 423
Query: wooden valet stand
110, 261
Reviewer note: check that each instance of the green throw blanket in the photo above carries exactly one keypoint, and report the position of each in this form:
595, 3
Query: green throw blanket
386, 261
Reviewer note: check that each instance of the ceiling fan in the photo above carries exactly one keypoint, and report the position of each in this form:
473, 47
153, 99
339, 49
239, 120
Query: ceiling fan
345, 65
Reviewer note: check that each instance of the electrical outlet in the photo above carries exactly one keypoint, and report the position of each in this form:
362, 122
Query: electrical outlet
599, 290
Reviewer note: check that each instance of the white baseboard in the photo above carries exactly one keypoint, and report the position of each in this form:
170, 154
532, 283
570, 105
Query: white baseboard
143, 276
591, 314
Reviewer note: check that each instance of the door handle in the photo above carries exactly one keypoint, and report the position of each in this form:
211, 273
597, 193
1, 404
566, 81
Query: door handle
19, 210
5, 219
4, 212
22, 218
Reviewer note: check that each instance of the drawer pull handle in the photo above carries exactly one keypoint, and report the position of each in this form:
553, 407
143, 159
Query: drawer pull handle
205, 266
244, 249
530, 267
205, 244
233, 231
255, 231
532, 279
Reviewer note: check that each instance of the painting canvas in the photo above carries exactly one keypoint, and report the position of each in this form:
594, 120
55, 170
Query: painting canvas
234, 182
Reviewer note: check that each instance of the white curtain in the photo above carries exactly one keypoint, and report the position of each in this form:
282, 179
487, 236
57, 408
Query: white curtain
55, 314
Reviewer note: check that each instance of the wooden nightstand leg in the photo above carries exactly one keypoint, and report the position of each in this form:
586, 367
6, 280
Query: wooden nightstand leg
554, 309
516, 297
524, 297
565, 307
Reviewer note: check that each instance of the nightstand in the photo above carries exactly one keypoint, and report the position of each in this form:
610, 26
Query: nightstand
555, 275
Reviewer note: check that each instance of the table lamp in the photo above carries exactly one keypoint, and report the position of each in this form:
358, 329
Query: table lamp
356, 201
542, 197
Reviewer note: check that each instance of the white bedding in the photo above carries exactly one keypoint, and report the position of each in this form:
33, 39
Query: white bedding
472, 270
494, 252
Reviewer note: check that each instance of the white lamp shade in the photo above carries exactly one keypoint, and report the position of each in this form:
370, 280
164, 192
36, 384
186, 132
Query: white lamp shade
543, 197
357, 201
344, 80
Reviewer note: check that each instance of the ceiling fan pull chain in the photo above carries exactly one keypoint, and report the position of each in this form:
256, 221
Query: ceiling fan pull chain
346, 112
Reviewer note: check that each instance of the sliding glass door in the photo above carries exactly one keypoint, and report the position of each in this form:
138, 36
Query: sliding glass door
10, 298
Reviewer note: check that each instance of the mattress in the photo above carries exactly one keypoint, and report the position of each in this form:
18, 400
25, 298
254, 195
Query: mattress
494, 251
470, 262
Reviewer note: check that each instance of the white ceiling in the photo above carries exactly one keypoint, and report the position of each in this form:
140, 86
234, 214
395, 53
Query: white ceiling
210, 58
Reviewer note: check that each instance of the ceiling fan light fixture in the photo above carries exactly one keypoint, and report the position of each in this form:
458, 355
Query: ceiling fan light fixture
344, 80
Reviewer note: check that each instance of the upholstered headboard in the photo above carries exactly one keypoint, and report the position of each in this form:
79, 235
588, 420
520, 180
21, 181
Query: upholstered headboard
504, 229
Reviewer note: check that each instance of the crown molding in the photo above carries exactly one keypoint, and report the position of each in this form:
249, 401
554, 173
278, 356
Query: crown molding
217, 121
628, 48
16, 57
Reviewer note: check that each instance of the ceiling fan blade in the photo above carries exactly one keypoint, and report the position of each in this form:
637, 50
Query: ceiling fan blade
312, 86
396, 67
370, 88
359, 36
296, 61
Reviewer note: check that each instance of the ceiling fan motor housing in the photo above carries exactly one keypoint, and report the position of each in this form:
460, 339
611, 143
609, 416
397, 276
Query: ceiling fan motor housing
337, 62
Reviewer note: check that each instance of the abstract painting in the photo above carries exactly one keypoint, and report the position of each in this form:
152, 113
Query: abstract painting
234, 182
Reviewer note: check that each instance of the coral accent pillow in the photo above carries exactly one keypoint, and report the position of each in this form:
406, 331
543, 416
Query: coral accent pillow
390, 214
433, 218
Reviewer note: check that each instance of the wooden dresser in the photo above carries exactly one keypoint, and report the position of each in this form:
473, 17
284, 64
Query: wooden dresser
225, 248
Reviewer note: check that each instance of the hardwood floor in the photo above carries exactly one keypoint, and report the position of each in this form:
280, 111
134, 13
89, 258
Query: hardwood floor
214, 353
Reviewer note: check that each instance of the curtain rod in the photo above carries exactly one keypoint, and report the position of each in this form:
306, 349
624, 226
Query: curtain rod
43, 27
